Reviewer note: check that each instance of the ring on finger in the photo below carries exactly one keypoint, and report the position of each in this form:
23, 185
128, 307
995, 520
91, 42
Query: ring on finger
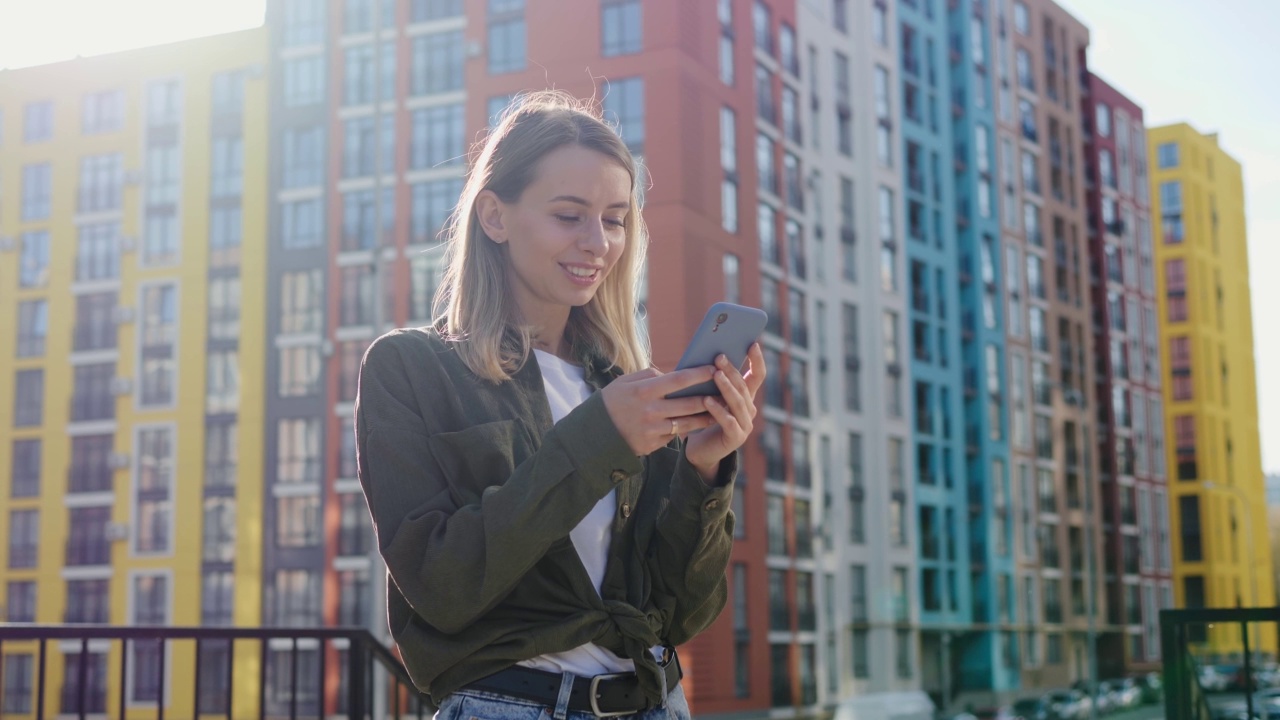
675, 427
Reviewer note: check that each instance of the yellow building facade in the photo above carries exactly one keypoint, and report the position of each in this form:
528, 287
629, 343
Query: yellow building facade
133, 201
1221, 557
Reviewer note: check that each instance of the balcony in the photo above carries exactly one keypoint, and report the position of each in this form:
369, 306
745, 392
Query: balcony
288, 687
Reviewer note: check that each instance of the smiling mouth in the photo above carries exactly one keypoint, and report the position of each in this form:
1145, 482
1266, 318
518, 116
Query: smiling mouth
582, 274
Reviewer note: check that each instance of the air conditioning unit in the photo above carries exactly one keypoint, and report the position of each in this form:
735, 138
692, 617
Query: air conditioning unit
121, 385
7, 243
118, 461
128, 243
132, 177
123, 314
116, 531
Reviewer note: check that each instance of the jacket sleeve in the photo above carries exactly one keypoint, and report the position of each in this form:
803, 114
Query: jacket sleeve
453, 563
691, 548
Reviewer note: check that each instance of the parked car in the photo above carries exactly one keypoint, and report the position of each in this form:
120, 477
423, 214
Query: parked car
1123, 693
1151, 685
1038, 708
1213, 679
1067, 705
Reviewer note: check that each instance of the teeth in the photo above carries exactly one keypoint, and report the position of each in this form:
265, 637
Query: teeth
581, 272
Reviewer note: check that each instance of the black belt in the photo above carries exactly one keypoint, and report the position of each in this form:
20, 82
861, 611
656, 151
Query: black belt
602, 695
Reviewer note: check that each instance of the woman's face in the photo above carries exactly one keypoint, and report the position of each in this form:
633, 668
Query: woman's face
566, 232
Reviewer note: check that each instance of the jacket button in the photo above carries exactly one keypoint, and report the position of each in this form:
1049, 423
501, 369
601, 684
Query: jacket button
618, 476
626, 510
712, 504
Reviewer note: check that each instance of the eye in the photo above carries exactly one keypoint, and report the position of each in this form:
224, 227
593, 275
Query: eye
567, 218
616, 222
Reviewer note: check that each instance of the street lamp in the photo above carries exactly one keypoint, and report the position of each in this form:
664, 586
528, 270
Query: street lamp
1248, 531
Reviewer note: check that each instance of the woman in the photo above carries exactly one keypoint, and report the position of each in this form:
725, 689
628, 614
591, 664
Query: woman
552, 525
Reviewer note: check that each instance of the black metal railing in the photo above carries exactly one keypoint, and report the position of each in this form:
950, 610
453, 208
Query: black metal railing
360, 692
1179, 629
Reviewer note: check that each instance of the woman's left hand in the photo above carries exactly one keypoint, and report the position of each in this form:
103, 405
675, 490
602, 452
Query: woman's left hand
734, 413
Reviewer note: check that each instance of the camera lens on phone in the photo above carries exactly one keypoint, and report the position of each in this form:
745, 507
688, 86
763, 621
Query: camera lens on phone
722, 317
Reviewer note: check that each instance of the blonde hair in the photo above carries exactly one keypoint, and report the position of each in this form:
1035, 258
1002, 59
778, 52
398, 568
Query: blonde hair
474, 307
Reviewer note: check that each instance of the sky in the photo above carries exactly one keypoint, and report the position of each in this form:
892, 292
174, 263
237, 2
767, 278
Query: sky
1211, 64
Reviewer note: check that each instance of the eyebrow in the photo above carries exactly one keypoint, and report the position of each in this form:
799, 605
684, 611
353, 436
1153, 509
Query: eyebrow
579, 201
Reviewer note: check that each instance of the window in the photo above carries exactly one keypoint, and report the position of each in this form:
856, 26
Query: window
91, 470
880, 24
624, 109
507, 45
620, 27
303, 156
33, 265
359, 158
844, 113
1167, 155
762, 27
227, 173
217, 598
857, 493
159, 336
767, 228
840, 15
221, 453
28, 398
300, 371
18, 680
37, 189
898, 529
303, 23
102, 112
303, 81
437, 63
24, 538
224, 307
101, 177
353, 598
301, 224
95, 691
724, 10
298, 451
852, 359
38, 122
301, 302
732, 281
295, 599
884, 140
92, 398
358, 15
361, 82
1021, 19
438, 137
1170, 197
20, 603
431, 203
424, 10
298, 521
153, 516
25, 469
33, 327
1103, 120
85, 545
355, 530
222, 384
150, 607
358, 221
1022, 62
1189, 517
228, 92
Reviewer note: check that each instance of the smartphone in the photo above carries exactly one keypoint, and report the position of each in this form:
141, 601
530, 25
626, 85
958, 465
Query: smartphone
727, 329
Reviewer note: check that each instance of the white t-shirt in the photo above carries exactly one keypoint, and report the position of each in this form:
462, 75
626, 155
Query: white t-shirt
566, 389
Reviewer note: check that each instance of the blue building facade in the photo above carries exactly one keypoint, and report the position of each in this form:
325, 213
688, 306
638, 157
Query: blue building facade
989, 649
937, 372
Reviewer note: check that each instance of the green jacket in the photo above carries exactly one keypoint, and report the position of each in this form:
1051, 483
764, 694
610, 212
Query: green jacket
473, 492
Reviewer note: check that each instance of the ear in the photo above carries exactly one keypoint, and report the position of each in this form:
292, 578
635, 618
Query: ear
490, 211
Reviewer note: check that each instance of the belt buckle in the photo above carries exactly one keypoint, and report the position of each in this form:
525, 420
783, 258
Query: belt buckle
594, 697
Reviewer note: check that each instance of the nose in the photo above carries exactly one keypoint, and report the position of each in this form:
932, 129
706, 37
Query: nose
594, 240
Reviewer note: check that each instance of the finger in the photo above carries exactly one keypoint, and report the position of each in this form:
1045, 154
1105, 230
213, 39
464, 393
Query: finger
734, 375
756, 368
693, 423
664, 385
639, 375
679, 407
734, 395
726, 420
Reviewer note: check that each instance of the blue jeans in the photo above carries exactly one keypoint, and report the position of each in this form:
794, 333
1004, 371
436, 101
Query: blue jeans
479, 705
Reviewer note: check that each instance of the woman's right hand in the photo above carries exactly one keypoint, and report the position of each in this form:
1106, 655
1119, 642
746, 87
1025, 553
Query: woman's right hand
639, 408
